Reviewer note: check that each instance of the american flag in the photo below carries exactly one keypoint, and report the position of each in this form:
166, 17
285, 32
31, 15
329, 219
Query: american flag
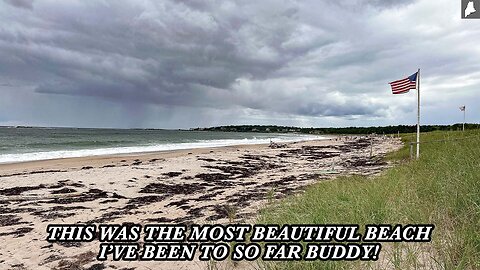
462, 108
404, 85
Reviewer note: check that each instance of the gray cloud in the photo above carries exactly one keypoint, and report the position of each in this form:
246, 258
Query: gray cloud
294, 60
27, 4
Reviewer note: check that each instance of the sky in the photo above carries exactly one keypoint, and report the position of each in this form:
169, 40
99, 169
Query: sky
191, 63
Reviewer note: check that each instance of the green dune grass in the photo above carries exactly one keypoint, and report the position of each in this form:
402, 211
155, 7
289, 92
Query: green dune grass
442, 188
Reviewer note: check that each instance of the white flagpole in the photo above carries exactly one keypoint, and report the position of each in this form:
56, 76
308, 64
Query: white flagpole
464, 109
418, 114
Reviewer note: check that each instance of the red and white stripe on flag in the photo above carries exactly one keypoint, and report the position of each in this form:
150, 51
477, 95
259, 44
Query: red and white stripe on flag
404, 85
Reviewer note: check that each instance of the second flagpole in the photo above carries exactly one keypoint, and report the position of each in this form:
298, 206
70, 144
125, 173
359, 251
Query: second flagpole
418, 114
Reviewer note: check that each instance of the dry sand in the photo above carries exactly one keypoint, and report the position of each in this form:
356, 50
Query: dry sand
215, 185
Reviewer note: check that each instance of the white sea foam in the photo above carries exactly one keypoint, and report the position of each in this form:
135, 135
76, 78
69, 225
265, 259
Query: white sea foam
22, 157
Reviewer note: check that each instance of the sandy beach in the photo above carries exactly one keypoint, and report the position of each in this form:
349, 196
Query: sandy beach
207, 185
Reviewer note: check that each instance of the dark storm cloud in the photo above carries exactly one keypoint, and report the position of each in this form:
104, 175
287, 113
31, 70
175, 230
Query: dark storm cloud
173, 53
28, 4
305, 58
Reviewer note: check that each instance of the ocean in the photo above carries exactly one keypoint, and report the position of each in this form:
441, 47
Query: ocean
32, 143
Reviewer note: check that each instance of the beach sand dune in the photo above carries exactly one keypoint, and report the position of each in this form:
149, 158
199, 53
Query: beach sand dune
215, 185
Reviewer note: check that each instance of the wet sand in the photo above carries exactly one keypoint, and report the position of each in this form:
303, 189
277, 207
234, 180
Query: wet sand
209, 185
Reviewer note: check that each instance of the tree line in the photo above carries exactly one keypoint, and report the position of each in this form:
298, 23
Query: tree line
339, 130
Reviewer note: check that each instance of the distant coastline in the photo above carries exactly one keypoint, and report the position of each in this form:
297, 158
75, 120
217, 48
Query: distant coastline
336, 130
286, 129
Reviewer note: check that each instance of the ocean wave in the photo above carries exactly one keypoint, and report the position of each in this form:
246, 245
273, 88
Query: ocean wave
45, 155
